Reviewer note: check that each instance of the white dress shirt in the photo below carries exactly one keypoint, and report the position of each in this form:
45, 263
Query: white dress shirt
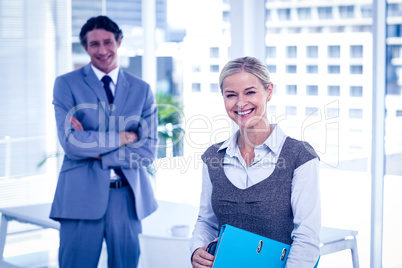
113, 75
305, 197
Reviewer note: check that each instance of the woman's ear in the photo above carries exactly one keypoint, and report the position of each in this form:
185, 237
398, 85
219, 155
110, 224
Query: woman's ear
270, 91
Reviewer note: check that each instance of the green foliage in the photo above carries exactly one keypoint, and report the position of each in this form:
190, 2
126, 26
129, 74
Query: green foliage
170, 114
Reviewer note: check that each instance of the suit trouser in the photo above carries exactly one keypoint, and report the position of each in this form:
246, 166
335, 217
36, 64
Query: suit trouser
81, 240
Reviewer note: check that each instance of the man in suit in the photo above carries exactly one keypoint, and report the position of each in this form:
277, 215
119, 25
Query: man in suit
107, 127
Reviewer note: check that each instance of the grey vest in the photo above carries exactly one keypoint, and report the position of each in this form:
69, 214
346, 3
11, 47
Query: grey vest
265, 207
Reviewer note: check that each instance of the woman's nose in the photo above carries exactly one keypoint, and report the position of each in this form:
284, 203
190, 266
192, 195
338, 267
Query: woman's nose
241, 101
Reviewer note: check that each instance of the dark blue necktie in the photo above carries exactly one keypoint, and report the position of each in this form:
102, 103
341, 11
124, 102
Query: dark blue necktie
106, 84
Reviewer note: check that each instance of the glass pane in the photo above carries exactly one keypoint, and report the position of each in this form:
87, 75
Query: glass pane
291, 69
393, 138
271, 68
304, 13
325, 12
356, 51
312, 69
312, 51
271, 52
291, 90
312, 90
291, 52
29, 53
334, 90
346, 11
334, 51
284, 14
332, 108
356, 91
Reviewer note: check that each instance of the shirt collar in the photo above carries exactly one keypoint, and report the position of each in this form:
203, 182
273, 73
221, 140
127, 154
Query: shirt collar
230, 144
113, 74
273, 142
276, 139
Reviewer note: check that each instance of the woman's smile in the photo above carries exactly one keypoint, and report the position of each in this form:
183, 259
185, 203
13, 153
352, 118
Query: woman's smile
245, 113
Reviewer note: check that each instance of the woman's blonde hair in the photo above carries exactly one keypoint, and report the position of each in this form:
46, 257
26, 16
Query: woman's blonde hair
247, 64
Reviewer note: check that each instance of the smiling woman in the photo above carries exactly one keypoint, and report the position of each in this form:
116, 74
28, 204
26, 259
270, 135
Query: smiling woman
259, 179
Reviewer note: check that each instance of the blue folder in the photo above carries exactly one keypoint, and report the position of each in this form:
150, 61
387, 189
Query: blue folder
240, 248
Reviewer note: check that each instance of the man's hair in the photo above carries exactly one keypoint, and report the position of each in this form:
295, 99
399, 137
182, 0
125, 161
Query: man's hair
100, 22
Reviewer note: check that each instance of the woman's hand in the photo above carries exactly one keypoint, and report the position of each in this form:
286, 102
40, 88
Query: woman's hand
201, 258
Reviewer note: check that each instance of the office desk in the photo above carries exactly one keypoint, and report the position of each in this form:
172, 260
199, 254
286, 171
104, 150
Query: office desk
35, 214
158, 224
167, 215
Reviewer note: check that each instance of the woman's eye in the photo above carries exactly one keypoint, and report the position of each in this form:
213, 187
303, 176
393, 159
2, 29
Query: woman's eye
250, 92
230, 95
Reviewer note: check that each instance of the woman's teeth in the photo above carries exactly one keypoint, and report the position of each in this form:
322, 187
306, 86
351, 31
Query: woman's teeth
244, 113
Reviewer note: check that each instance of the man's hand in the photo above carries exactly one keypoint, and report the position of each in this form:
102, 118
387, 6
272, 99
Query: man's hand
76, 124
127, 137
202, 259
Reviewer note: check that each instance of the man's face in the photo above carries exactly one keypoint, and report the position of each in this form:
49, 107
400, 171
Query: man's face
102, 48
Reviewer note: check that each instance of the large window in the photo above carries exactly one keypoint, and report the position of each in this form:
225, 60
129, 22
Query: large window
346, 12
312, 90
291, 69
334, 51
356, 69
271, 52
394, 10
366, 11
330, 41
291, 110
335, 63
312, 51
356, 91
356, 51
32, 55
291, 52
284, 14
271, 68
393, 136
291, 89
334, 91
356, 113
312, 69
334, 69
304, 13
325, 12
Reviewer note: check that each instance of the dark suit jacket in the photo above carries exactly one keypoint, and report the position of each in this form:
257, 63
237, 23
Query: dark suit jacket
83, 187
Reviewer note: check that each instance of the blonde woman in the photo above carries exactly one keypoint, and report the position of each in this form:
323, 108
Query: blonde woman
259, 179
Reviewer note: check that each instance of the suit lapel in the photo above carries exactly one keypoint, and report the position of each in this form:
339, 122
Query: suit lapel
121, 93
92, 81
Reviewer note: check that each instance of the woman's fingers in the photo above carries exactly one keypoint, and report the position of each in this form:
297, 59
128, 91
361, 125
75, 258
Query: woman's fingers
202, 259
